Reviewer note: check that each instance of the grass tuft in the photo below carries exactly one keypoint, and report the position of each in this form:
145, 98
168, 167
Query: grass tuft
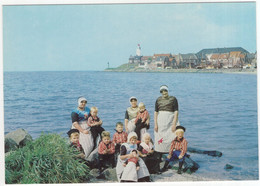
48, 159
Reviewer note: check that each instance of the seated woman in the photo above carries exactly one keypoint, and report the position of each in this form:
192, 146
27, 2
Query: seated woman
79, 118
143, 173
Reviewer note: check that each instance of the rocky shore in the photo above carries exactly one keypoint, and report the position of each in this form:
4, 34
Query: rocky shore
18, 139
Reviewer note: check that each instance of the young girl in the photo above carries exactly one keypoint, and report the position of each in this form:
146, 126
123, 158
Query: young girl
106, 150
125, 153
146, 152
95, 125
141, 120
146, 147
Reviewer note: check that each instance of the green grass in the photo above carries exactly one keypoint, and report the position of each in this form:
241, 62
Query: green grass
124, 67
48, 159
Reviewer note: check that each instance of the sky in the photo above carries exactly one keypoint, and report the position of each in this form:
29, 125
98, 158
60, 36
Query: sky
87, 37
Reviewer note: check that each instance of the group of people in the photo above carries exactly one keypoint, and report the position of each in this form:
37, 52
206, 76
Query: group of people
134, 154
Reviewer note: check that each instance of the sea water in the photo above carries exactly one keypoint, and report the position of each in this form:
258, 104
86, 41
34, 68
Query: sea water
219, 111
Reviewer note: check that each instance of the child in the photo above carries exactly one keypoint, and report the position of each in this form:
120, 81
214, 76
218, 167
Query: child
178, 149
142, 120
146, 147
106, 150
95, 125
119, 137
131, 167
146, 152
74, 138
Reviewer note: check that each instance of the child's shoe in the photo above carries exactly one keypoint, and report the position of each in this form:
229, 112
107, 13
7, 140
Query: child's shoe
180, 166
165, 166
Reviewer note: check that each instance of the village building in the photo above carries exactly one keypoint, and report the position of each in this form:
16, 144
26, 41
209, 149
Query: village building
163, 61
234, 57
204, 55
187, 60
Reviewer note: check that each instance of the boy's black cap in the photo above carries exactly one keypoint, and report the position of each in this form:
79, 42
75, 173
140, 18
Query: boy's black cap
180, 127
72, 131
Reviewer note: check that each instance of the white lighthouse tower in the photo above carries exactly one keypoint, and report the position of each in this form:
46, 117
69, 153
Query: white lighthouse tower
138, 50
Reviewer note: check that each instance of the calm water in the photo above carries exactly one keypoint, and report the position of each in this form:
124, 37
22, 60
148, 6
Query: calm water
218, 110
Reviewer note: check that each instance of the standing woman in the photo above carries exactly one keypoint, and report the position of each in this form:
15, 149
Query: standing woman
165, 120
79, 121
130, 115
125, 153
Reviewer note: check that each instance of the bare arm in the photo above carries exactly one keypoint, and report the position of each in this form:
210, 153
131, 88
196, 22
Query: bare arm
155, 121
122, 157
175, 119
126, 125
77, 126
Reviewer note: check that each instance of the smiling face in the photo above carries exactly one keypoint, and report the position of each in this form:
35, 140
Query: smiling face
74, 138
119, 128
179, 134
106, 139
134, 103
82, 104
164, 93
147, 140
133, 140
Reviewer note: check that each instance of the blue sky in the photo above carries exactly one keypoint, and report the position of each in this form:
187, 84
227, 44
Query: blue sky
86, 37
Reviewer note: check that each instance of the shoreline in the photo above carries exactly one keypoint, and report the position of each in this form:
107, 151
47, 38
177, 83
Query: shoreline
220, 71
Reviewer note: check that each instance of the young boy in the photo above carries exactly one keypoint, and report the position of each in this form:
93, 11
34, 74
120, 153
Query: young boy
95, 125
106, 150
119, 137
178, 149
74, 138
142, 120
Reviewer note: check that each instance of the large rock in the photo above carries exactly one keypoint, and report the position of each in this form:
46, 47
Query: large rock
110, 174
16, 139
189, 165
10, 145
210, 153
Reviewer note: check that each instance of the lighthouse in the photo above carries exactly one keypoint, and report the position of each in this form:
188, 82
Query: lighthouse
138, 50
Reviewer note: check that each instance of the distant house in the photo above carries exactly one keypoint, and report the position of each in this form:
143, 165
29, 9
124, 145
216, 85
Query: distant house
236, 59
223, 60
250, 58
134, 59
137, 59
131, 59
187, 60
162, 60
145, 61
214, 60
202, 53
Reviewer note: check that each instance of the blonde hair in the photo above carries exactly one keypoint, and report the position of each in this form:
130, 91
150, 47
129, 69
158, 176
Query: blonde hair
105, 134
179, 130
145, 135
92, 109
74, 134
141, 105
